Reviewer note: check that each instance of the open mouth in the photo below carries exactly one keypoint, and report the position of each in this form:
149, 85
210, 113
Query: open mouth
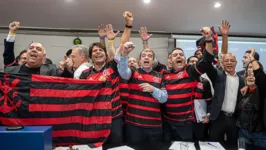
99, 57
229, 67
32, 55
146, 62
179, 62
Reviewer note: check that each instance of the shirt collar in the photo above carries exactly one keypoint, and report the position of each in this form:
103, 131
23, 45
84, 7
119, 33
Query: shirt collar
100, 68
231, 75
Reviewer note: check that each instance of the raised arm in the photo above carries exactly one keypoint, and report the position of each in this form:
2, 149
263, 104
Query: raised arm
102, 34
143, 32
224, 30
127, 31
123, 69
205, 63
111, 38
9, 55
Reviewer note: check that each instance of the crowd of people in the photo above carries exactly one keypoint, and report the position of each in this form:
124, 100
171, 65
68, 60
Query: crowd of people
154, 103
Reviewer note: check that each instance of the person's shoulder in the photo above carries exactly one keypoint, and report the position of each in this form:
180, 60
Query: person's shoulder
11, 69
241, 73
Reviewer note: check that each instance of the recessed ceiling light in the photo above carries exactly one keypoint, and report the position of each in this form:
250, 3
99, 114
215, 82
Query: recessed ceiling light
147, 1
217, 5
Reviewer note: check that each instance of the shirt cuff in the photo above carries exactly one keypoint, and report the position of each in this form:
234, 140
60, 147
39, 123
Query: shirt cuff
11, 37
117, 57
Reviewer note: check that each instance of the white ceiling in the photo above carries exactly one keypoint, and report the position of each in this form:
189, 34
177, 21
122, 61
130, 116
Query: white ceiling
247, 17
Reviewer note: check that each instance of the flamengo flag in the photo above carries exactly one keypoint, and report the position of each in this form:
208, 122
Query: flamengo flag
80, 111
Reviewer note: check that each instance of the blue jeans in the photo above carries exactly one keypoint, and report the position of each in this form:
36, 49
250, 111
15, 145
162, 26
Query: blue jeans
257, 139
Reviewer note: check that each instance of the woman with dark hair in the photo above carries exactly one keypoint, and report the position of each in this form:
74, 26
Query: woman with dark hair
251, 108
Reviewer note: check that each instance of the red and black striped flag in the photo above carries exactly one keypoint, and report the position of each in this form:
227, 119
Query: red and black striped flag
80, 111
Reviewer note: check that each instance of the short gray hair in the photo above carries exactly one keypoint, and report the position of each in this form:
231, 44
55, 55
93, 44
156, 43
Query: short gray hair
83, 50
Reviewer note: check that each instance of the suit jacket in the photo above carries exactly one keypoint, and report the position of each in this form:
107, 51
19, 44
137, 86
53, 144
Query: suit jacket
45, 69
9, 55
218, 79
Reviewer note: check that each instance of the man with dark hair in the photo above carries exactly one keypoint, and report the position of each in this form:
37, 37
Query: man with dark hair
245, 61
68, 53
147, 91
192, 60
105, 68
181, 82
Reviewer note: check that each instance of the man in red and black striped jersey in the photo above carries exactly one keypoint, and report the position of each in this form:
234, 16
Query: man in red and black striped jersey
102, 68
203, 93
108, 70
146, 93
181, 82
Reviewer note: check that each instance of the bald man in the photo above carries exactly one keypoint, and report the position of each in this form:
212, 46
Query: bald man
227, 85
34, 65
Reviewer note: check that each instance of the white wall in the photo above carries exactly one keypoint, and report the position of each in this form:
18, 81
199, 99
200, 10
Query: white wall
56, 46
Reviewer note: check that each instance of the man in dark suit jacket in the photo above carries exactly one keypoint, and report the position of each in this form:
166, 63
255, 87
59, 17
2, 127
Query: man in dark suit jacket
227, 85
34, 64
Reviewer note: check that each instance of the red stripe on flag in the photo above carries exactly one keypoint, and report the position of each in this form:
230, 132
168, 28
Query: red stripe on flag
62, 93
181, 86
180, 95
179, 105
81, 134
143, 117
55, 121
68, 107
39, 78
144, 108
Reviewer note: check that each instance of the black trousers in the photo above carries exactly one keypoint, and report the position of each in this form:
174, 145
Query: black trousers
177, 132
224, 125
136, 134
116, 136
200, 131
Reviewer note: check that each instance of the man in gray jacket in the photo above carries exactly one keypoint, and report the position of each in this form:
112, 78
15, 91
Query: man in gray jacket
35, 56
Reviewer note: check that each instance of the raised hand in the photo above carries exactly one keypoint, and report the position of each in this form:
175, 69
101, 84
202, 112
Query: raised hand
101, 31
110, 33
206, 32
127, 48
69, 64
128, 17
146, 87
13, 26
252, 53
143, 32
224, 29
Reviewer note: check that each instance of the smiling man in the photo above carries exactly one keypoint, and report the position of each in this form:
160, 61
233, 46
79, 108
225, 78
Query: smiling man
34, 65
147, 92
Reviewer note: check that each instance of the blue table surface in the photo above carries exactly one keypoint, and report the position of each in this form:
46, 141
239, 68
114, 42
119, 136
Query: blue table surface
37, 129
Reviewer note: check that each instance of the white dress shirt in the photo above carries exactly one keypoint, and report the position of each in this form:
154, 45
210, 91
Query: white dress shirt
231, 91
80, 69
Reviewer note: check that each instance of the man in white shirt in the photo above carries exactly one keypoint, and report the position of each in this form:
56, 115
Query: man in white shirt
80, 58
227, 85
